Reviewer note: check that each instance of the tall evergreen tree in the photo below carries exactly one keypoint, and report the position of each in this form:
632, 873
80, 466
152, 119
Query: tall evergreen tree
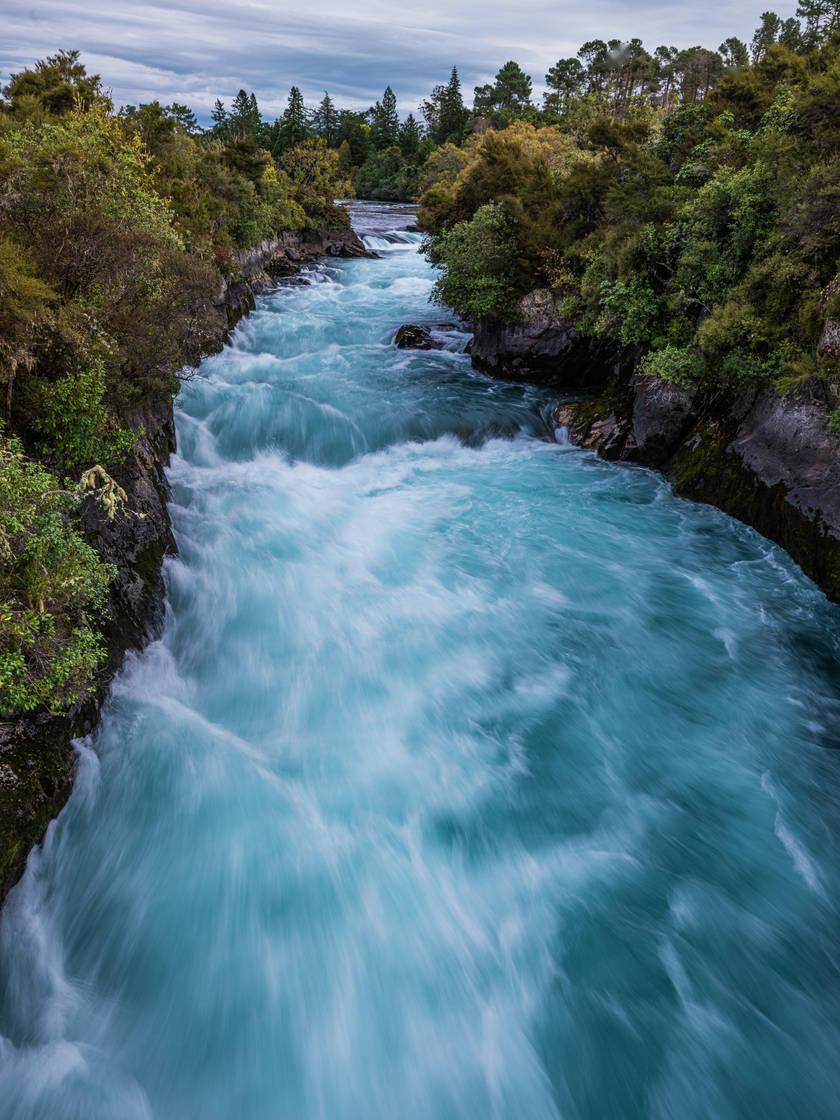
453, 113
293, 126
385, 121
820, 17
766, 34
184, 117
219, 117
734, 53
244, 120
509, 94
410, 136
564, 80
325, 120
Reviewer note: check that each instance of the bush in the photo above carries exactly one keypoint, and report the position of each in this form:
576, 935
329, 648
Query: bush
75, 424
681, 365
52, 587
478, 265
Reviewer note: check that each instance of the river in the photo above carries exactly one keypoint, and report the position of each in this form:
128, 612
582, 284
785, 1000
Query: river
472, 777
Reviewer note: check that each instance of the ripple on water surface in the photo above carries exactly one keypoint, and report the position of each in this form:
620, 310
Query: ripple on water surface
473, 776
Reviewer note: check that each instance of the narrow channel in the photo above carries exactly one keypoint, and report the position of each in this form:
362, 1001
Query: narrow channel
472, 777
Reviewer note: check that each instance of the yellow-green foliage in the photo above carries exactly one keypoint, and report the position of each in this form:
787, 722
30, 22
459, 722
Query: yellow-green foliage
706, 237
52, 586
115, 230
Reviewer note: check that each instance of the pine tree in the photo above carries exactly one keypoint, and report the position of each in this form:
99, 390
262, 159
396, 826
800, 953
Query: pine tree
219, 117
509, 94
184, 117
325, 120
244, 120
293, 126
821, 18
385, 121
453, 115
734, 53
767, 33
564, 79
410, 136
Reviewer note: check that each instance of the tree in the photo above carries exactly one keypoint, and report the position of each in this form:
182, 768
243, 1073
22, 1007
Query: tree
325, 120
664, 59
697, 71
790, 34
244, 120
594, 54
410, 136
766, 34
820, 17
509, 94
184, 118
354, 130
56, 85
734, 53
564, 80
293, 127
219, 117
453, 114
385, 121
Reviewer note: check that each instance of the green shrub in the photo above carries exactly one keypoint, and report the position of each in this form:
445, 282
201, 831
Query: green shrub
681, 365
75, 425
52, 587
478, 262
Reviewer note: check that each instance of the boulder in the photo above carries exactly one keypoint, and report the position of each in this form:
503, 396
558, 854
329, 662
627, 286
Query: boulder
412, 336
661, 414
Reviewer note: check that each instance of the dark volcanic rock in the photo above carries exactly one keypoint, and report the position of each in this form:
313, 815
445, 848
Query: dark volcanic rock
661, 413
542, 346
411, 336
258, 269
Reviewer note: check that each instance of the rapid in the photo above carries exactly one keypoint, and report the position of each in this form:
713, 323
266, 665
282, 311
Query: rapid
472, 776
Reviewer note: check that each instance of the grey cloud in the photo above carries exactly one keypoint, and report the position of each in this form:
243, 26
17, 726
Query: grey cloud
197, 50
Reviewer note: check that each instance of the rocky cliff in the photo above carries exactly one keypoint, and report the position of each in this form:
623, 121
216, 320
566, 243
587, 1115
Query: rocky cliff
36, 753
767, 459
540, 346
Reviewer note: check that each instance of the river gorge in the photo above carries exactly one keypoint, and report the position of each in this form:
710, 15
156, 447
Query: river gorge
473, 776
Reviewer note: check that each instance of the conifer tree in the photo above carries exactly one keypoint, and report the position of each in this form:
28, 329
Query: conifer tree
244, 120
325, 120
766, 34
509, 94
453, 113
219, 117
385, 121
734, 53
293, 126
821, 17
184, 117
410, 136
564, 80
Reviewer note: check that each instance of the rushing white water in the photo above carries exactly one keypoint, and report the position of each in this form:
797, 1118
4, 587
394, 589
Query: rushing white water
473, 776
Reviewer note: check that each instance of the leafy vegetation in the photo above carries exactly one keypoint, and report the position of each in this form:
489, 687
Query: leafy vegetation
683, 205
52, 588
115, 231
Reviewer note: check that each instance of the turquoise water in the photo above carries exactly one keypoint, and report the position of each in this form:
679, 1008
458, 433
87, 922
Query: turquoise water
473, 776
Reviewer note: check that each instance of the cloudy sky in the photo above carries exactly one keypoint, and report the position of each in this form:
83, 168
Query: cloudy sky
196, 50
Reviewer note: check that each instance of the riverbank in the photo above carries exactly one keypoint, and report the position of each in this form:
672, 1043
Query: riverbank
768, 459
37, 759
